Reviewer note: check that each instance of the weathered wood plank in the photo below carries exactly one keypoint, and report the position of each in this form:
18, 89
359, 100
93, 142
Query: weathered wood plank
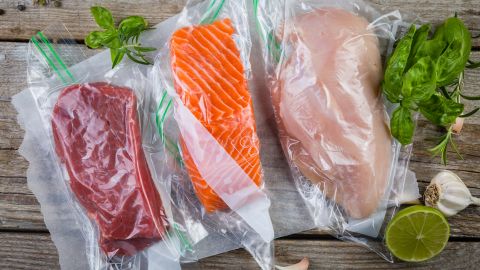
11, 133
20, 212
14, 185
15, 24
36, 251
27, 251
341, 255
12, 164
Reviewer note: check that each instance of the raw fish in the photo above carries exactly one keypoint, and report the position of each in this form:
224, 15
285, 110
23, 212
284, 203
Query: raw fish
210, 80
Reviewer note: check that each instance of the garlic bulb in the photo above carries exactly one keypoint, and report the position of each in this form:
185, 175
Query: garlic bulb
449, 194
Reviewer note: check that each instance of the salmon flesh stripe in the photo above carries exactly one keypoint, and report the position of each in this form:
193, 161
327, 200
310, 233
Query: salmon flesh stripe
210, 80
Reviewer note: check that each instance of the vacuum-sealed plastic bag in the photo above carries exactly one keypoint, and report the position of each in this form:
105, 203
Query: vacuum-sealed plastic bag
324, 70
203, 75
94, 182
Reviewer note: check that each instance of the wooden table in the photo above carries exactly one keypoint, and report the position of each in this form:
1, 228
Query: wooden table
25, 242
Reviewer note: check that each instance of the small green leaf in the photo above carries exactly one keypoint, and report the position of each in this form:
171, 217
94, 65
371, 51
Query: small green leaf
402, 125
396, 64
142, 60
408, 103
132, 26
432, 48
109, 36
419, 81
469, 97
444, 92
115, 43
103, 17
418, 41
94, 39
144, 49
473, 65
440, 110
441, 147
472, 112
116, 56
453, 59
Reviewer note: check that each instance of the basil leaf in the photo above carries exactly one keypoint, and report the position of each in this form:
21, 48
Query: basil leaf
94, 40
402, 125
418, 41
103, 17
455, 56
109, 36
132, 26
392, 83
440, 110
432, 48
115, 43
419, 83
121, 41
116, 56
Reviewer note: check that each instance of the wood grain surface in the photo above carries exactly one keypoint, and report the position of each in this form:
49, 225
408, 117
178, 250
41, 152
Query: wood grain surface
28, 251
24, 239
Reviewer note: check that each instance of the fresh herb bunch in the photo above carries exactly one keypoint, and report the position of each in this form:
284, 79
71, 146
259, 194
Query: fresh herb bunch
122, 40
426, 75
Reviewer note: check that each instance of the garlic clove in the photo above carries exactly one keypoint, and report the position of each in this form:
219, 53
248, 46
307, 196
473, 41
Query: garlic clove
456, 198
447, 211
302, 265
446, 176
448, 193
457, 126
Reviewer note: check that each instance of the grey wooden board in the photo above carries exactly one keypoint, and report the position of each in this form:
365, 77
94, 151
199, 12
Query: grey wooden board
28, 251
16, 25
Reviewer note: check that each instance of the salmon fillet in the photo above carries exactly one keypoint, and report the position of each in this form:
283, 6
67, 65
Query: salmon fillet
332, 120
209, 78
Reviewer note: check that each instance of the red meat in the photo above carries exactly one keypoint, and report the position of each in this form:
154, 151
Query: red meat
97, 136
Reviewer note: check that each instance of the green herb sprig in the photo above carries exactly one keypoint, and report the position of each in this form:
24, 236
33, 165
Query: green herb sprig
122, 40
426, 75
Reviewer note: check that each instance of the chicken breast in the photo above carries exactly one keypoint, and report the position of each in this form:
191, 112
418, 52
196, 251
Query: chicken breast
333, 123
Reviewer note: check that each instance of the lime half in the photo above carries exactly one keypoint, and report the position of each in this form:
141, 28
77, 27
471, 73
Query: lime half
417, 233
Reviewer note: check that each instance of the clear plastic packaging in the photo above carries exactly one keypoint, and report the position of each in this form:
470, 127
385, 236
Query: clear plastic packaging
98, 193
323, 62
201, 80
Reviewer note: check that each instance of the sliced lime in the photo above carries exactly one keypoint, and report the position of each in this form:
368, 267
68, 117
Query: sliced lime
417, 233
